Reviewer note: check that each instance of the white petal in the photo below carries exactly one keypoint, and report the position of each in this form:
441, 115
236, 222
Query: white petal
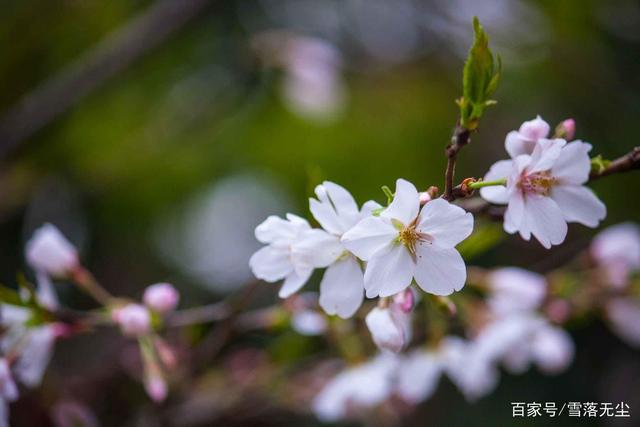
280, 231
369, 236
515, 289
448, 224
270, 264
326, 216
389, 271
579, 204
368, 208
4, 413
514, 216
619, 243
35, 356
293, 282
624, 318
534, 129
552, 349
573, 164
405, 204
516, 145
545, 154
439, 271
335, 209
497, 193
315, 248
546, 220
47, 296
418, 376
341, 199
342, 288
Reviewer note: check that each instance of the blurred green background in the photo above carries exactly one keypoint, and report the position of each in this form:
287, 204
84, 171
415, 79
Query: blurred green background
181, 153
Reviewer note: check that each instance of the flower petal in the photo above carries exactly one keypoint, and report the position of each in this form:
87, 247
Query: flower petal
545, 154
534, 129
447, 223
516, 145
294, 281
315, 248
573, 164
336, 210
270, 264
515, 215
497, 193
579, 204
277, 230
342, 288
368, 236
418, 376
389, 271
545, 219
405, 204
439, 271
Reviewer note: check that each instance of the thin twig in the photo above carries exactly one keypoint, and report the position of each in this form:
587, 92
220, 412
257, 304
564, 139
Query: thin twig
625, 163
112, 55
461, 137
197, 315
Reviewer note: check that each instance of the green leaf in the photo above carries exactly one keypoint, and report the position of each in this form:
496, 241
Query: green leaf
480, 79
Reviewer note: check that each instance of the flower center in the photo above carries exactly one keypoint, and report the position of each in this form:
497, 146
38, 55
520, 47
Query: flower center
537, 183
410, 238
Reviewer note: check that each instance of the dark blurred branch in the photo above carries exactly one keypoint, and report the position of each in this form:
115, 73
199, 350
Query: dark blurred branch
112, 55
625, 163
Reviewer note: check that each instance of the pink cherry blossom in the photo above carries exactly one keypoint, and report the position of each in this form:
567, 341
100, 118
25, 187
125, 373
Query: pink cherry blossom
523, 141
545, 191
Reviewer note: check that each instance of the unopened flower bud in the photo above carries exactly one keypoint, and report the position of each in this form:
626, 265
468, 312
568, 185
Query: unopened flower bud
134, 319
566, 129
390, 328
156, 387
8, 388
161, 297
48, 251
405, 300
424, 197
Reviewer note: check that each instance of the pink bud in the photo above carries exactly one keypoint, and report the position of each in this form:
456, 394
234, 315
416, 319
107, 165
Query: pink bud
424, 197
161, 297
48, 251
156, 388
134, 319
566, 129
405, 300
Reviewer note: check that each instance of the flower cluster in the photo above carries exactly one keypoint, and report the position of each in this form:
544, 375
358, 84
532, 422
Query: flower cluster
30, 327
397, 244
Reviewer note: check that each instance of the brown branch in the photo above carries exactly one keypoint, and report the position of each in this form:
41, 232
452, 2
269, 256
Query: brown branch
112, 55
625, 163
461, 137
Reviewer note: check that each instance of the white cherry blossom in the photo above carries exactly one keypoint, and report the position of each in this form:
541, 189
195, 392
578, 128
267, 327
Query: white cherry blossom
342, 287
546, 190
293, 251
617, 250
514, 289
405, 242
362, 386
8, 391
